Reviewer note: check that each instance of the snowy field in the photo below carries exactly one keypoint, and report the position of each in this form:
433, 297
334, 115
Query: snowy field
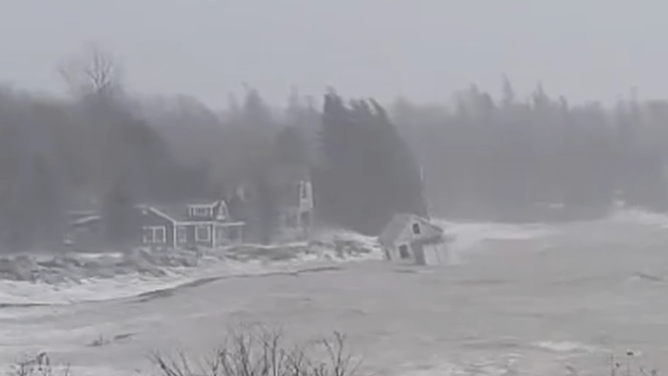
530, 299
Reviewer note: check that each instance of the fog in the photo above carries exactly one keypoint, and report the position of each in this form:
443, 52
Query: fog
590, 49
302, 128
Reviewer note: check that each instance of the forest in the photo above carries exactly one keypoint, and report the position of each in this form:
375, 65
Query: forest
476, 156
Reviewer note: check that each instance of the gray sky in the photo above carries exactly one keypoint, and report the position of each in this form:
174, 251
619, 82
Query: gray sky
423, 49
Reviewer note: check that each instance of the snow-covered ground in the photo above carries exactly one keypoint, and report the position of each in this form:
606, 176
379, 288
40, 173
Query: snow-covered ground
73, 278
516, 299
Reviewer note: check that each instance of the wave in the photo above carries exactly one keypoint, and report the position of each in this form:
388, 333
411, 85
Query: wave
637, 216
466, 236
567, 347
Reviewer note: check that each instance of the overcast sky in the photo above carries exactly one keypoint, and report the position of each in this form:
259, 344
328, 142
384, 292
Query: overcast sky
422, 49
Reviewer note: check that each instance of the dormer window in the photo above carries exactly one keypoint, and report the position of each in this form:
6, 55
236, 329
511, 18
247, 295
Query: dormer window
200, 211
416, 228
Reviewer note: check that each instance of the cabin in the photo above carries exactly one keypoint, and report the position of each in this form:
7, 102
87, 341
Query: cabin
205, 224
412, 239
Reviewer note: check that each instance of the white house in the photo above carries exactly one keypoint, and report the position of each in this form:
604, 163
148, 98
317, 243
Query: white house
413, 239
297, 206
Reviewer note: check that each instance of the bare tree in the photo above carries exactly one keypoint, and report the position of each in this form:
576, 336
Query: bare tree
258, 351
93, 71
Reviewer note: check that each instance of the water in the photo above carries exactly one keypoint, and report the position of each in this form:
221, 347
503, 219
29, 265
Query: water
515, 300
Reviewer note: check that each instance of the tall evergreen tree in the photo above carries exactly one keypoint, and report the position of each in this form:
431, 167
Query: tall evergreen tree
266, 211
369, 172
118, 216
46, 205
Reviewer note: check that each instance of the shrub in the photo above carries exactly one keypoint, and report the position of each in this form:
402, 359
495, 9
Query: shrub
258, 351
38, 365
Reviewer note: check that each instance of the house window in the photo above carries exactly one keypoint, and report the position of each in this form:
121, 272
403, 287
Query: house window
181, 234
203, 233
304, 190
154, 234
403, 252
416, 228
200, 211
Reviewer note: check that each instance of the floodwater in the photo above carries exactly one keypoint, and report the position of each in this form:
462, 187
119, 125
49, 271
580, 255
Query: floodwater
571, 297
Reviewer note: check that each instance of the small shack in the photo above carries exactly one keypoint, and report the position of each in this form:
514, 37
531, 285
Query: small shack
409, 238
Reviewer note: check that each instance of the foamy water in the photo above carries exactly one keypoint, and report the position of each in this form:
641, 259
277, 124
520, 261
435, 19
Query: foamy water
522, 300
467, 236
639, 217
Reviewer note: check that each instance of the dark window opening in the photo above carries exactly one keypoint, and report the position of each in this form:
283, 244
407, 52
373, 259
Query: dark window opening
403, 252
304, 191
416, 228
233, 233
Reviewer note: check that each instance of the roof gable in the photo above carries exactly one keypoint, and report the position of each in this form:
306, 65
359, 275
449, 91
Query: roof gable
401, 223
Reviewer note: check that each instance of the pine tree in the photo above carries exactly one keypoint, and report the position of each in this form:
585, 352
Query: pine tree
45, 206
290, 147
370, 173
330, 180
118, 216
267, 213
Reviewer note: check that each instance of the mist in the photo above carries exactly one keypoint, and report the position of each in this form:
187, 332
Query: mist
186, 145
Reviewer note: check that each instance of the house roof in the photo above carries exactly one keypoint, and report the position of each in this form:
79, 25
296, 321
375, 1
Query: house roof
200, 202
399, 222
179, 212
86, 220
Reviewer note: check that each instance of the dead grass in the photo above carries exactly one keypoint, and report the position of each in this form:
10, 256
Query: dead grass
629, 366
38, 365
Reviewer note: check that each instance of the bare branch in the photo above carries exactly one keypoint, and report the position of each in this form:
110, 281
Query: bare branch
256, 351
93, 71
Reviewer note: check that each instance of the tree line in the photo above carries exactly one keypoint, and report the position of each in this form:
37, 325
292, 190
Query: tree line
540, 158
474, 157
105, 146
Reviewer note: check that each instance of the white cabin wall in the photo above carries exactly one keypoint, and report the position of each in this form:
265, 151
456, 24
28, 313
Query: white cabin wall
431, 255
404, 237
436, 254
389, 253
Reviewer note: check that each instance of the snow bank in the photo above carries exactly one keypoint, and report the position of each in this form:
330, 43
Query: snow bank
69, 278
